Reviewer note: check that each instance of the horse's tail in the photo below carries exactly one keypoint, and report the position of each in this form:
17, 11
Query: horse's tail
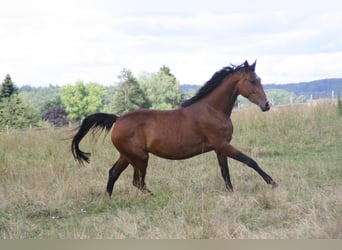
96, 122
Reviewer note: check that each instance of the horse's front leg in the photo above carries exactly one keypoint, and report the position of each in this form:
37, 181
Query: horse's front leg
222, 159
239, 156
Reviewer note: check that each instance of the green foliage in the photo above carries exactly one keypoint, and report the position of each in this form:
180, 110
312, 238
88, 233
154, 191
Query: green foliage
81, 100
43, 98
54, 102
162, 89
8, 88
128, 95
109, 99
17, 112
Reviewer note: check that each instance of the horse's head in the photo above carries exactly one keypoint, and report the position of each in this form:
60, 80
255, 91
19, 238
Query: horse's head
250, 87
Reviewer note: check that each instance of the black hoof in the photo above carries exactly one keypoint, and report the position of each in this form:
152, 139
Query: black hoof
230, 189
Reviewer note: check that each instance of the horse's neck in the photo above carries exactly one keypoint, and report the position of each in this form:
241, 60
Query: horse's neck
224, 96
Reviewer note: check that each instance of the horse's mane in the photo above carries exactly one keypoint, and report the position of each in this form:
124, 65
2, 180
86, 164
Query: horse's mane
215, 81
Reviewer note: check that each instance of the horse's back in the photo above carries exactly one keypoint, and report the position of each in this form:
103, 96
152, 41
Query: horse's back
144, 125
168, 134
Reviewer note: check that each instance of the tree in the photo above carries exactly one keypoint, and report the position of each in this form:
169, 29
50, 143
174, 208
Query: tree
128, 95
17, 112
162, 89
53, 102
57, 116
95, 97
8, 88
42, 98
81, 100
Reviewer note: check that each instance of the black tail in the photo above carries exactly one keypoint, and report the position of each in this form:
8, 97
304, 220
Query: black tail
97, 122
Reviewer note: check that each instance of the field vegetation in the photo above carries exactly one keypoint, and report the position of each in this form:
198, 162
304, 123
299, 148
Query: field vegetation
45, 194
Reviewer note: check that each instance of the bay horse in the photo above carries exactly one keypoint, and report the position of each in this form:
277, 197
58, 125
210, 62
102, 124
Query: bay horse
200, 125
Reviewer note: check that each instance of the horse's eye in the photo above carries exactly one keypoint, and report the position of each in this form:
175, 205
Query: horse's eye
253, 82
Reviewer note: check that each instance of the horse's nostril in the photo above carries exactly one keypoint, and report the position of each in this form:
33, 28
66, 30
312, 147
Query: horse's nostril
267, 104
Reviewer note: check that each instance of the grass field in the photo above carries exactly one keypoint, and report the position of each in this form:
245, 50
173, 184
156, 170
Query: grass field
44, 193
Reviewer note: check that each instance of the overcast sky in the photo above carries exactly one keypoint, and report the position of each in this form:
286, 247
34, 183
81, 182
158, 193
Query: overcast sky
62, 41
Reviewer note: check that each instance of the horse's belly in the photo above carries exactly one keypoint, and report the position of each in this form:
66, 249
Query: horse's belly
176, 151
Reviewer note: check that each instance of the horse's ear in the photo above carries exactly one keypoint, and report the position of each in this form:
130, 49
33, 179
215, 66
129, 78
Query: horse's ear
246, 65
252, 67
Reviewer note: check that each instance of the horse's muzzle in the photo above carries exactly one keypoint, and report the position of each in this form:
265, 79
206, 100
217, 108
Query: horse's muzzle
265, 106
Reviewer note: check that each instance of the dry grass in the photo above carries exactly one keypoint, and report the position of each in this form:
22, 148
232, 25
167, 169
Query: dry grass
45, 194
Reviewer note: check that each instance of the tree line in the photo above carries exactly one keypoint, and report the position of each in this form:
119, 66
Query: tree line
57, 106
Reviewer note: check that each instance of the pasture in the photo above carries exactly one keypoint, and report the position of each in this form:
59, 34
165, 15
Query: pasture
45, 194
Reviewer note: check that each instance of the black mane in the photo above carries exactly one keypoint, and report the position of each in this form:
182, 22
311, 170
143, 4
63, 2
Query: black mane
215, 81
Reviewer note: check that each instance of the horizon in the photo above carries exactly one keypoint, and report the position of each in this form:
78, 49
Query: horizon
114, 84
64, 41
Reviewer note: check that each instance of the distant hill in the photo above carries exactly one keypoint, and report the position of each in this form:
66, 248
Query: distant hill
318, 88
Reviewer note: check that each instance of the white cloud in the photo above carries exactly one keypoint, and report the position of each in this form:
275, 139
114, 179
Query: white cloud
60, 42
297, 68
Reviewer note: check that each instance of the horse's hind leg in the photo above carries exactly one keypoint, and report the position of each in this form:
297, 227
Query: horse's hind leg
139, 181
140, 166
114, 174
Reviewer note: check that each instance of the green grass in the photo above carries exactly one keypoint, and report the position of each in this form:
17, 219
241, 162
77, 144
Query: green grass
44, 193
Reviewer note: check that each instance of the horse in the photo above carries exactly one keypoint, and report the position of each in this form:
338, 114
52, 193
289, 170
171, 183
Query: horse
201, 124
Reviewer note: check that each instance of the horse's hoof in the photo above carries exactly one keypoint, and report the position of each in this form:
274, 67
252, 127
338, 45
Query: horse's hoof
274, 185
109, 196
150, 192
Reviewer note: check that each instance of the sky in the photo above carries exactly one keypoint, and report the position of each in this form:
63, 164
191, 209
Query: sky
59, 42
